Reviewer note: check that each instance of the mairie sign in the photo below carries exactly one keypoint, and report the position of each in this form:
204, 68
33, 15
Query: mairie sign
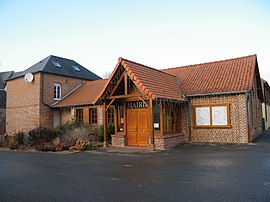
137, 104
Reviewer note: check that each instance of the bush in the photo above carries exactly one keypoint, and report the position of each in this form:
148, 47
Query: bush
41, 137
79, 138
13, 142
20, 137
70, 135
16, 140
67, 127
110, 132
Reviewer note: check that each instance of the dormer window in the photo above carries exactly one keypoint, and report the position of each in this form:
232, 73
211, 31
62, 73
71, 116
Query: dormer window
57, 91
76, 68
56, 64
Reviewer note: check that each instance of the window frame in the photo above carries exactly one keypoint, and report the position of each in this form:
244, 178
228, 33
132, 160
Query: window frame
77, 118
55, 86
91, 116
211, 120
171, 119
56, 64
110, 115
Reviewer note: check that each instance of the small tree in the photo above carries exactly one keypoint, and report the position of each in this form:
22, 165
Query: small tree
106, 75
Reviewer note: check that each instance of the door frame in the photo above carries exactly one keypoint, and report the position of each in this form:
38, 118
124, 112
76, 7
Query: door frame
138, 141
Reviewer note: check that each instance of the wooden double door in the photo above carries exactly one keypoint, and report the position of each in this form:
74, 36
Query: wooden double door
137, 127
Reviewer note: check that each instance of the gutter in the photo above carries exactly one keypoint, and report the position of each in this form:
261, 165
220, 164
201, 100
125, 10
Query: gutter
222, 93
75, 105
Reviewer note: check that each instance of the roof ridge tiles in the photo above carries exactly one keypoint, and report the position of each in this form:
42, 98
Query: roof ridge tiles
122, 59
217, 61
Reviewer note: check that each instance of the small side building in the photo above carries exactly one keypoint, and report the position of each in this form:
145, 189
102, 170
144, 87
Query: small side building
81, 103
266, 104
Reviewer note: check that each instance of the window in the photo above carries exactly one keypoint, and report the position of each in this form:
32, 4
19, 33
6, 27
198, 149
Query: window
211, 116
57, 91
56, 64
156, 118
93, 116
171, 117
79, 115
76, 68
110, 115
120, 118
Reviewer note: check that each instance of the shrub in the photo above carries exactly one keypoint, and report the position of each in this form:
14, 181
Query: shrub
20, 137
57, 145
12, 142
79, 138
67, 127
41, 137
110, 132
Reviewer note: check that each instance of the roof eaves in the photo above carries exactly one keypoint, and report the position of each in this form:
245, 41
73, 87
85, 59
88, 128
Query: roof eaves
137, 81
219, 93
206, 63
74, 105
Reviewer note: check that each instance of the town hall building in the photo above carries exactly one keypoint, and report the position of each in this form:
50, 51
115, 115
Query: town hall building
210, 102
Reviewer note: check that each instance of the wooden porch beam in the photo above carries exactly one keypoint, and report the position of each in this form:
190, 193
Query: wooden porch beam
117, 84
144, 101
120, 96
126, 83
108, 106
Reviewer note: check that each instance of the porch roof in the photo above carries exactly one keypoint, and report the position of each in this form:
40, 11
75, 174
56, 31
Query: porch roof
152, 82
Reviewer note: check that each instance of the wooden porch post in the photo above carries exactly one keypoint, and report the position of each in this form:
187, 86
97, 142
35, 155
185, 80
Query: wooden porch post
161, 118
105, 121
151, 128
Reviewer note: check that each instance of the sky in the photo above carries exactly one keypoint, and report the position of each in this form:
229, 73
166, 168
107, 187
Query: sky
157, 33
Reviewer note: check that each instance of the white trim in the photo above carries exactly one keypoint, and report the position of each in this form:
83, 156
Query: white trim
56, 96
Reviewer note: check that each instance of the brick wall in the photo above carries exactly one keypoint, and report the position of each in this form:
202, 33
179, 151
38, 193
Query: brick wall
184, 124
66, 115
67, 85
238, 133
25, 109
86, 115
256, 110
23, 104
168, 141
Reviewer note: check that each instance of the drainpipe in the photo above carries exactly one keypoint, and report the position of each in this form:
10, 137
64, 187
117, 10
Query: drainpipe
248, 115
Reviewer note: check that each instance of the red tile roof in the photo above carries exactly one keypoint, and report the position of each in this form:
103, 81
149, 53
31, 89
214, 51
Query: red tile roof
233, 75
152, 82
85, 94
216, 77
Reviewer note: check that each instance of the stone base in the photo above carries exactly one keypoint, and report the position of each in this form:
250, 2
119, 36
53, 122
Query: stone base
167, 141
161, 142
119, 141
